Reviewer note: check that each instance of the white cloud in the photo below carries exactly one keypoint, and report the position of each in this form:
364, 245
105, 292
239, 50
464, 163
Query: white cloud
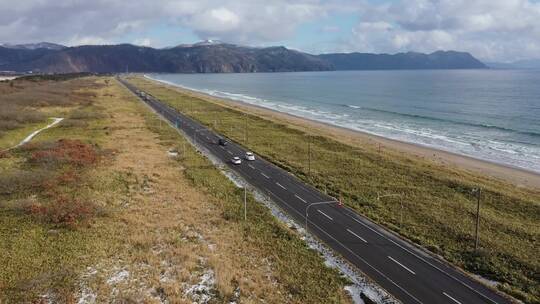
66, 21
143, 42
218, 20
87, 40
503, 30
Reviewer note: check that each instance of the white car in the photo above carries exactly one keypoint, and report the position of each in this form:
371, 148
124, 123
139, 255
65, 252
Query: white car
236, 160
250, 156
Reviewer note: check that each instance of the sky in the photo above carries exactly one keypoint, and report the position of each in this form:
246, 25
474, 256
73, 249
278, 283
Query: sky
492, 30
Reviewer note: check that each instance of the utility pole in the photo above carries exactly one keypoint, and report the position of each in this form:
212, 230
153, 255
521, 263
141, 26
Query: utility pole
309, 156
478, 192
245, 130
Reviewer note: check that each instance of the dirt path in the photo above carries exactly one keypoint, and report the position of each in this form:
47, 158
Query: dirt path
56, 120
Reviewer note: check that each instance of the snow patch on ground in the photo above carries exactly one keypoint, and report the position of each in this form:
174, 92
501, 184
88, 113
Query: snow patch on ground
203, 291
7, 78
487, 282
87, 295
355, 294
118, 277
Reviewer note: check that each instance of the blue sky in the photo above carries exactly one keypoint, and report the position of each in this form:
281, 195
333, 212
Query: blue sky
492, 30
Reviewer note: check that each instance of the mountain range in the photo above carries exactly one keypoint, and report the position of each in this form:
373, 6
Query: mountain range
212, 57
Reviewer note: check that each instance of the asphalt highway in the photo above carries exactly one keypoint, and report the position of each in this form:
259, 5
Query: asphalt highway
405, 271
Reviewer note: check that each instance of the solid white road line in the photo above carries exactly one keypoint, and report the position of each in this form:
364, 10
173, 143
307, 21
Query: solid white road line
265, 175
444, 293
298, 197
356, 235
325, 215
395, 261
280, 185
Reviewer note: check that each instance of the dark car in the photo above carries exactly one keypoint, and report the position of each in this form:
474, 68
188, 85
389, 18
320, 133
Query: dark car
222, 142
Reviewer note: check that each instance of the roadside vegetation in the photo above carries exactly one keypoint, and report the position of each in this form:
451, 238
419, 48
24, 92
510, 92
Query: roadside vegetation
431, 205
95, 209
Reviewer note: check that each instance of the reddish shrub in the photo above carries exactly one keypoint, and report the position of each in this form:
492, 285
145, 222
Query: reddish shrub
63, 211
68, 177
66, 151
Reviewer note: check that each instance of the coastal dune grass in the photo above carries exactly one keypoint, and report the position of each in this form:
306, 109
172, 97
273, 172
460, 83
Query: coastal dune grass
431, 205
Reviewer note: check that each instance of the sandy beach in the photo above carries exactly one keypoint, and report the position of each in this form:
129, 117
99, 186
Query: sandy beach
516, 176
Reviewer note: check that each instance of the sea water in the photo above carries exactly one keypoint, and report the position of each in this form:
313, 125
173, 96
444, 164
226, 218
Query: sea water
492, 115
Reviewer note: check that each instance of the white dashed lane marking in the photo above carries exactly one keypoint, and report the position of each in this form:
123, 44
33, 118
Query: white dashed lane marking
456, 301
356, 235
325, 215
281, 185
405, 267
298, 197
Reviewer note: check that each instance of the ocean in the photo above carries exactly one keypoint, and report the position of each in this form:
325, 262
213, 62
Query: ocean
492, 115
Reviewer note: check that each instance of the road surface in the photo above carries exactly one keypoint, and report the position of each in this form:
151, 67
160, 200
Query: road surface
408, 273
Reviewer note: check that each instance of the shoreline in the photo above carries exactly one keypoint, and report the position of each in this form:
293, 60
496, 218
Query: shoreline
449, 160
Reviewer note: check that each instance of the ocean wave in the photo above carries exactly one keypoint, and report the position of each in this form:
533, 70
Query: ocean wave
486, 126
